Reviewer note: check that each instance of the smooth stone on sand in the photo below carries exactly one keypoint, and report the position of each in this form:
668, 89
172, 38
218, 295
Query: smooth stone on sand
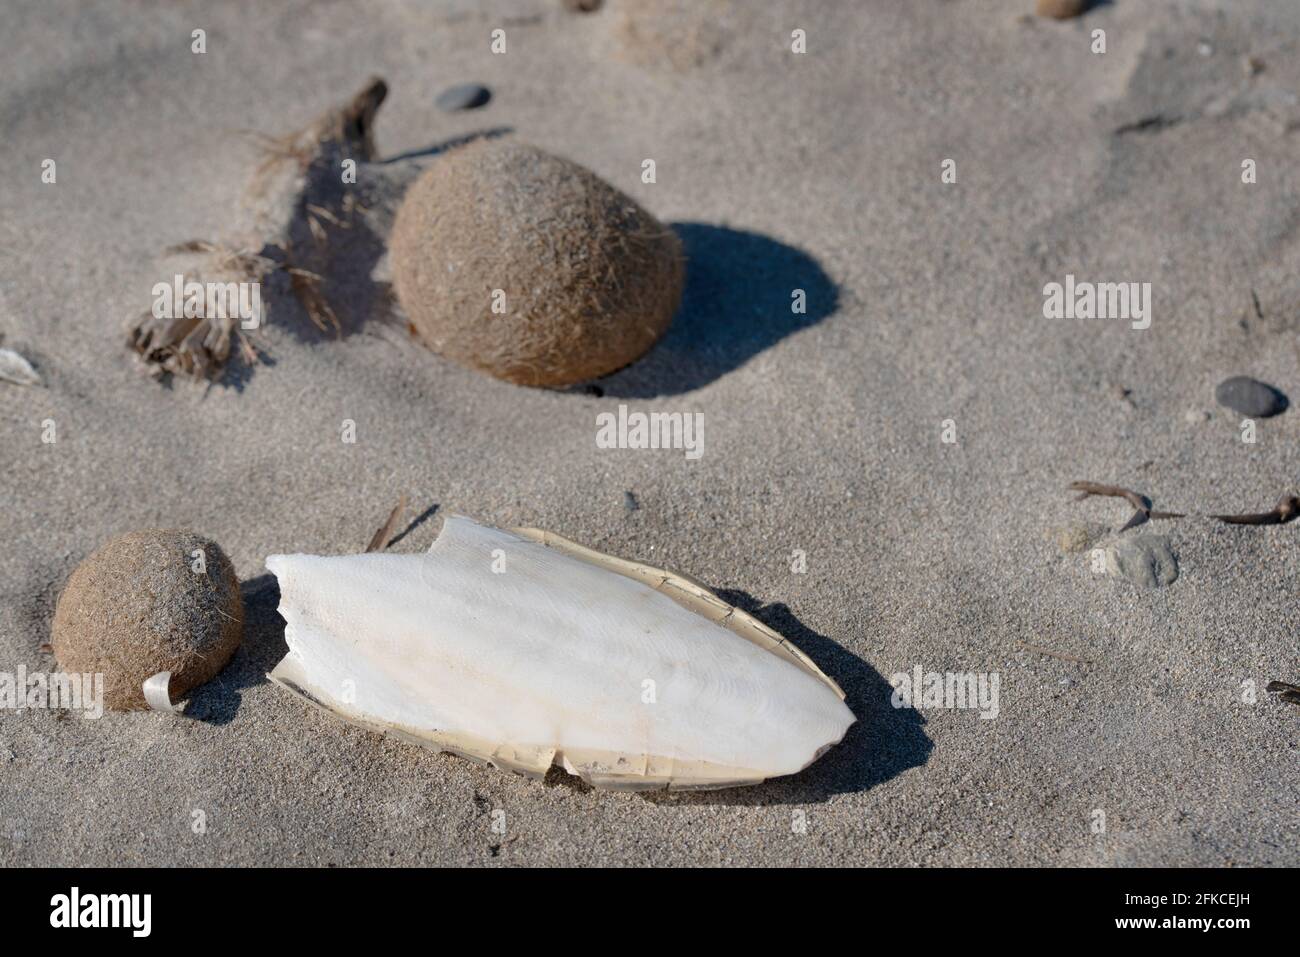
1145, 560
1250, 397
1061, 9
466, 96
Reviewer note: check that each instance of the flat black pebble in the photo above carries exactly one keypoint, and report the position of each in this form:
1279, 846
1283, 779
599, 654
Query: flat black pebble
629, 502
1250, 397
467, 96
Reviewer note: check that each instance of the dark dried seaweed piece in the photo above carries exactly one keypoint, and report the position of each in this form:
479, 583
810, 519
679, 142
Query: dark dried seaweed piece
197, 345
1088, 489
1142, 510
1284, 691
380, 540
346, 132
1287, 509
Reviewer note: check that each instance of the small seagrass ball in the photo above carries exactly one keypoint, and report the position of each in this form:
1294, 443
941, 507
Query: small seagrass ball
149, 601
532, 268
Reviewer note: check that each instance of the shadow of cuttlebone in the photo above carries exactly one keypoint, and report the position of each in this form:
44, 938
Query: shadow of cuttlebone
882, 743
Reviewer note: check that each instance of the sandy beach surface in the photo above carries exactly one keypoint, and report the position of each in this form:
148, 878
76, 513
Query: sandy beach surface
1133, 726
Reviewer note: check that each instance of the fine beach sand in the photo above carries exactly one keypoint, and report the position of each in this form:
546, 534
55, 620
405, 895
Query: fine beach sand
818, 171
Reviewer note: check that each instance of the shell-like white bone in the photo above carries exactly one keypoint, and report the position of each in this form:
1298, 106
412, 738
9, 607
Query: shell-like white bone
524, 650
14, 368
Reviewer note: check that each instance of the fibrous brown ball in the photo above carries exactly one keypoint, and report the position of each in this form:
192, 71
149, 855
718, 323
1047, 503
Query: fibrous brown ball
530, 267
149, 601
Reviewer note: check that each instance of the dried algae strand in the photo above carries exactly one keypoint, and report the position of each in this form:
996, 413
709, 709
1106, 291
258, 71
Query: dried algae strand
384, 534
197, 341
1286, 510
530, 267
297, 199
149, 601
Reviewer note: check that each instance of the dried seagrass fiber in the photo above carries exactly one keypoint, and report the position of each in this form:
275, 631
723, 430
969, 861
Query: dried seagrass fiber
530, 267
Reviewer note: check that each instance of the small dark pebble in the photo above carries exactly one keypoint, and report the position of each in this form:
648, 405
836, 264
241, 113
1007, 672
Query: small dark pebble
1250, 397
466, 96
629, 502
582, 6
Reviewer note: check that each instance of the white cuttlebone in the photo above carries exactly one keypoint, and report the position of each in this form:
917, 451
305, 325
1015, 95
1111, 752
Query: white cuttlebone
547, 662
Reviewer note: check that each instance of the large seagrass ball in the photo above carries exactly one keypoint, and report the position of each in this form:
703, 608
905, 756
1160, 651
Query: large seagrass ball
149, 601
532, 268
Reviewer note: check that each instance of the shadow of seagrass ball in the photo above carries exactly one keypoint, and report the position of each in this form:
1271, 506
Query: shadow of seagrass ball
530, 267
742, 296
145, 602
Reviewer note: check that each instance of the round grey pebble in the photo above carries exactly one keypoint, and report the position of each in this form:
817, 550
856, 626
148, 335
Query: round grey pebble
1145, 560
1250, 397
466, 96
